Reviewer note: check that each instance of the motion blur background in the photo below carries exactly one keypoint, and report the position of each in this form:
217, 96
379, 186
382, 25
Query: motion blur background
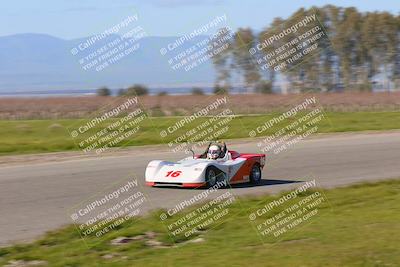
361, 52
52, 83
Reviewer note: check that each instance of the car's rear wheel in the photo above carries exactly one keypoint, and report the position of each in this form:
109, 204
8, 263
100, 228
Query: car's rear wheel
212, 175
255, 174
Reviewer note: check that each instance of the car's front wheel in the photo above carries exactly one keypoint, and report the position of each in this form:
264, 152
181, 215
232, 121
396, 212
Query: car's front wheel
255, 174
211, 176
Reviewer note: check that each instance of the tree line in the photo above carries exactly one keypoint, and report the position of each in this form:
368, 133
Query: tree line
141, 90
361, 50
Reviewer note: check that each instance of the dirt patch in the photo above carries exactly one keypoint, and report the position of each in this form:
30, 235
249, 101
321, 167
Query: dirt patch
85, 106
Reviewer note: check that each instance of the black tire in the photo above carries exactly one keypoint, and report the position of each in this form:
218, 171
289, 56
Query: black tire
255, 174
212, 176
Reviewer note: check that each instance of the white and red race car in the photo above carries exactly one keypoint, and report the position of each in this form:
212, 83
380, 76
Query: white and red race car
198, 171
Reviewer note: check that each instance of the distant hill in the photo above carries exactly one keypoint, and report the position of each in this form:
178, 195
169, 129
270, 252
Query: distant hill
30, 62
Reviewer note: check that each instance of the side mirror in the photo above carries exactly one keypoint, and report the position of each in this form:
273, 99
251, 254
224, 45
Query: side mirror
191, 150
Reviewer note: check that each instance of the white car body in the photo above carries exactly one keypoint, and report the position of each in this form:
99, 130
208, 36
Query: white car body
191, 172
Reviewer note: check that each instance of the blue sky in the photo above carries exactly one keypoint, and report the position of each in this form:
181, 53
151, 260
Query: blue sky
70, 19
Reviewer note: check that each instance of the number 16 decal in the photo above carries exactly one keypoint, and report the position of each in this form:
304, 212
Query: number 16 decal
173, 173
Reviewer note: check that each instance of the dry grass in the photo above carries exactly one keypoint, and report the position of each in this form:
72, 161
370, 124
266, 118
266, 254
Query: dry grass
76, 107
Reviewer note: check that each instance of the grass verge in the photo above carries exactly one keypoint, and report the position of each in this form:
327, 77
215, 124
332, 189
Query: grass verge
359, 227
37, 136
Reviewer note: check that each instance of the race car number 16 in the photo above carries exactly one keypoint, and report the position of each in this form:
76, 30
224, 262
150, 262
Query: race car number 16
173, 173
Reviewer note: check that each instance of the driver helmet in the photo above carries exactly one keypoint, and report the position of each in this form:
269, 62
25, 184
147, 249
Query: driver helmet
213, 152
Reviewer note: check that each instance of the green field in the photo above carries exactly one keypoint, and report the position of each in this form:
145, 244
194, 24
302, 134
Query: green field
356, 226
36, 136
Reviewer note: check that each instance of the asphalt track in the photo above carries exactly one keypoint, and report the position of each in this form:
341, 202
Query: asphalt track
36, 197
